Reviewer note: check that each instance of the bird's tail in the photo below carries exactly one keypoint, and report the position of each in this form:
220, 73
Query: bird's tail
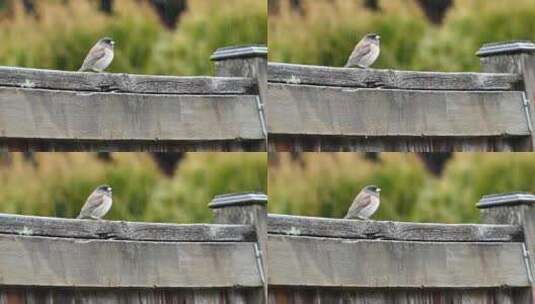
79, 216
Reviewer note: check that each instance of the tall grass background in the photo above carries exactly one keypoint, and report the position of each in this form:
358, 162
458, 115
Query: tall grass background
324, 184
58, 184
327, 31
63, 31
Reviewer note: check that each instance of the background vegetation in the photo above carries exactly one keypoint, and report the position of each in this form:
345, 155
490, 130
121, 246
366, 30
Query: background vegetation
322, 184
325, 31
57, 184
57, 34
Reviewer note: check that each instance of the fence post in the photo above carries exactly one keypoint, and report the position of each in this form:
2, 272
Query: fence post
516, 208
247, 209
245, 61
514, 57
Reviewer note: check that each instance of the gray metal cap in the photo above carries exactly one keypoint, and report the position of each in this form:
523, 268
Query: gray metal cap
238, 199
240, 51
509, 47
505, 199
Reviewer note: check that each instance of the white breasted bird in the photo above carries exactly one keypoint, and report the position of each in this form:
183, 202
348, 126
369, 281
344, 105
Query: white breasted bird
366, 52
97, 204
99, 57
365, 204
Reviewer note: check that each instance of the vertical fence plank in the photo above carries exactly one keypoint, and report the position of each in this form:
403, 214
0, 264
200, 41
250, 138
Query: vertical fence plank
514, 57
516, 209
246, 61
248, 209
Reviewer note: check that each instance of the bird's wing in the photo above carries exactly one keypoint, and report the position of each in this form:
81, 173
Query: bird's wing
93, 201
361, 49
96, 53
362, 200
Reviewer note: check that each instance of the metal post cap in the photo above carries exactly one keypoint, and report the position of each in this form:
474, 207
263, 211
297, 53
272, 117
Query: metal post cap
239, 51
508, 47
238, 199
505, 199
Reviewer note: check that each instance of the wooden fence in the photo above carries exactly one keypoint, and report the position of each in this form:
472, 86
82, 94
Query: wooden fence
315, 108
47, 110
249, 256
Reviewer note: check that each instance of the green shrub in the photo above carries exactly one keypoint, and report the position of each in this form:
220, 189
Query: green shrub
60, 183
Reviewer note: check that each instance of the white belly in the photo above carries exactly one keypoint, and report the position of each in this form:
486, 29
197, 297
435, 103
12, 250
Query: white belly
103, 208
369, 210
105, 61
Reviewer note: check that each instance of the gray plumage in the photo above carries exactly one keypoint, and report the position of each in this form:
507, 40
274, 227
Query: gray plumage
365, 203
365, 52
97, 204
99, 57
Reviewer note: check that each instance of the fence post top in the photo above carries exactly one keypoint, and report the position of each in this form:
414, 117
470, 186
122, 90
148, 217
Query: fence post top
238, 199
239, 51
506, 199
504, 48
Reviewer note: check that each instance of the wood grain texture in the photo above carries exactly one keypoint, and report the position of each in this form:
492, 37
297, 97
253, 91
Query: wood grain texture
301, 143
383, 230
256, 215
125, 83
126, 296
314, 110
42, 261
393, 296
119, 230
321, 262
391, 79
47, 114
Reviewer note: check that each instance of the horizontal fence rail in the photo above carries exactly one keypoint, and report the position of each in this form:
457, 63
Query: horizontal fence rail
133, 231
49, 110
401, 231
391, 79
318, 108
325, 262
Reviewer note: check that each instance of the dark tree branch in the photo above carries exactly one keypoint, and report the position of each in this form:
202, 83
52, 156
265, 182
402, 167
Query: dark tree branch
168, 162
170, 11
372, 5
106, 6
435, 10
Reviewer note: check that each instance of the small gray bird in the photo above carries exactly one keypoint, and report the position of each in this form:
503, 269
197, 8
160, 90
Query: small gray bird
365, 204
365, 52
99, 57
97, 204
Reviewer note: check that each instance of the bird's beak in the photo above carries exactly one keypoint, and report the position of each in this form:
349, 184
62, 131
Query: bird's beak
113, 43
378, 37
378, 190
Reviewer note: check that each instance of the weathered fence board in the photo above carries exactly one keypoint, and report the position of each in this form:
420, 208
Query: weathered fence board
353, 229
98, 296
322, 262
393, 296
284, 143
135, 231
48, 114
315, 110
391, 79
43, 261
125, 83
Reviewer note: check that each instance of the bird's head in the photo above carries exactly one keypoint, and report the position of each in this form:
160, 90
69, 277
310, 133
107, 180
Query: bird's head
373, 37
105, 188
372, 189
107, 41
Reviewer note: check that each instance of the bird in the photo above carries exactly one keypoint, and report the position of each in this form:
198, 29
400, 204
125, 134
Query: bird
99, 57
97, 204
365, 52
365, 203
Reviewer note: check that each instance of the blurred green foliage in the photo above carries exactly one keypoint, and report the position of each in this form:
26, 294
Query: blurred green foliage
324, 184
60, 182
327, 31
62, 33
